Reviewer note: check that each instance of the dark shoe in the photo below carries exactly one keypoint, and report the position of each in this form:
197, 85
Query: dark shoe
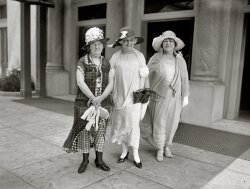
84, 163
102, 166
83, 167
99, 162
121, 160
138, 165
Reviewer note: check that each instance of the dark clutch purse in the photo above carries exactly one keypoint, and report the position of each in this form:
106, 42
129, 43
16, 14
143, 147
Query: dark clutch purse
141, 95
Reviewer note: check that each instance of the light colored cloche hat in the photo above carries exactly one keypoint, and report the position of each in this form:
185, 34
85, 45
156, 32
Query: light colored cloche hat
94, 34
126, 32
157, 41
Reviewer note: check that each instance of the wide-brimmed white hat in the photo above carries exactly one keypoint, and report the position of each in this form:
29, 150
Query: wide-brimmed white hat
157, 41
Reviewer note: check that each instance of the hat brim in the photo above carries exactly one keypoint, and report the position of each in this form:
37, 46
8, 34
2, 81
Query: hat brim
157, 42
104, 41
117, 42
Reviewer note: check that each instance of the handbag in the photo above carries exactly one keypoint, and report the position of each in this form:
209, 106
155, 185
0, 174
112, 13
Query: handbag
141, 95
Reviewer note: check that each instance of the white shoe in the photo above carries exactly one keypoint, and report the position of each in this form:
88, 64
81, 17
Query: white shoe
167, 152
159, 155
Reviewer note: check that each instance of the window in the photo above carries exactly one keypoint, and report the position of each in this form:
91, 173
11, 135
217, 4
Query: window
153, 6
3, 11
92, 12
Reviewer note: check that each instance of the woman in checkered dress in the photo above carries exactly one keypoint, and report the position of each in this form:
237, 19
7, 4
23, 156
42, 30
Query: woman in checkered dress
92, 73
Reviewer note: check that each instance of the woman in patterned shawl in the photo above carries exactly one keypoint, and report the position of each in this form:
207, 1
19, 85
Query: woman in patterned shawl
92, 74
168, 78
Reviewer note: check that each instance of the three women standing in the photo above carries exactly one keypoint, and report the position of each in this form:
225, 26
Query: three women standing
93, 75
127, 73
168, 78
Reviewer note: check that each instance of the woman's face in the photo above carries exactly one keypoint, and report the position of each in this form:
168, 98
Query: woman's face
168, 45
96, 48
128, 43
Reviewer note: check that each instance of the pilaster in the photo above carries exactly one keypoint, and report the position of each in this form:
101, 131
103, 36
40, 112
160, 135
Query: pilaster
211, 31
57, 79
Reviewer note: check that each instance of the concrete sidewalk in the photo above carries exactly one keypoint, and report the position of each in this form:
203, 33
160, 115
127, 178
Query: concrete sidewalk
31, 157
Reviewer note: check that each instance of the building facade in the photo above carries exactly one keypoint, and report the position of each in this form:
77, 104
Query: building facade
216, 34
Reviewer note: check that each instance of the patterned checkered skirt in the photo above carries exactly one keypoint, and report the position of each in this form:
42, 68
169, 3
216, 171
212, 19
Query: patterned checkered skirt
71, 143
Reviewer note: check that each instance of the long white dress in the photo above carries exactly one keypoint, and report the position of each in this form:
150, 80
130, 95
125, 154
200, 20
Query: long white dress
125, 116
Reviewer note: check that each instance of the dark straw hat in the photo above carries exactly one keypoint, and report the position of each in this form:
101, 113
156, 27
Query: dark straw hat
124, 33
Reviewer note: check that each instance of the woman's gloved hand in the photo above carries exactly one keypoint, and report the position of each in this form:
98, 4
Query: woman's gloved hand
185, 101
143, 109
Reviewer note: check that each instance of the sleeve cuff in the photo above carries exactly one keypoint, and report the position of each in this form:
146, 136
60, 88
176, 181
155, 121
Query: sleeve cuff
81, 70
144, 72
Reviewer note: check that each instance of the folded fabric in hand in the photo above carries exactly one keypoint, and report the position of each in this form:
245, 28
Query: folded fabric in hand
92, 115
141, 95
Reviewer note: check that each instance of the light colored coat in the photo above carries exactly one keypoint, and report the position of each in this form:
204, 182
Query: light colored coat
163, 113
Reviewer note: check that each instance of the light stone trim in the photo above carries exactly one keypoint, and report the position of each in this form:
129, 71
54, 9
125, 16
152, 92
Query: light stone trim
92, 22
168, 15
3, 23
80, 3
237, 63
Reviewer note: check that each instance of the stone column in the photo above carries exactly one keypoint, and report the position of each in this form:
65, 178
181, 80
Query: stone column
209, 61
41, 54
132, 16
57, 81
25, 51
3, 51
208, 39
113, 26
55, 36
129, 7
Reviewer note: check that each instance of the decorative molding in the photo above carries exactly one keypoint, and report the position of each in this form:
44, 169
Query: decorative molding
168, 15
80, 3
247, 9
92, 22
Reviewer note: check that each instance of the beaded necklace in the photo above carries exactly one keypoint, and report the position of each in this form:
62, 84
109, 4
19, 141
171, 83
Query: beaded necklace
98, 89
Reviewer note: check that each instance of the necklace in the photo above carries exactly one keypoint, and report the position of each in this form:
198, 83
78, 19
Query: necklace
96, 61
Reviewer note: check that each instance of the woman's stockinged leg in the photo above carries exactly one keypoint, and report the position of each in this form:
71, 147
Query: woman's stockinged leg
136, 155
137, 161
124, 150
167, 152
159, 155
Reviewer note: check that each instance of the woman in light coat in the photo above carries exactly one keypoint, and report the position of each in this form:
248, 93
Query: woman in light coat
168, 78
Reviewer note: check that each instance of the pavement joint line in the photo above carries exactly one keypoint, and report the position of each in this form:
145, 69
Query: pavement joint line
34, 137
41, 160
126, 170
238, 172
197, 160
10, 172
233, 170
102, 179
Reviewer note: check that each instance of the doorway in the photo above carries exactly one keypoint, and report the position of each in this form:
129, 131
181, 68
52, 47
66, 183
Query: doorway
244, 112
